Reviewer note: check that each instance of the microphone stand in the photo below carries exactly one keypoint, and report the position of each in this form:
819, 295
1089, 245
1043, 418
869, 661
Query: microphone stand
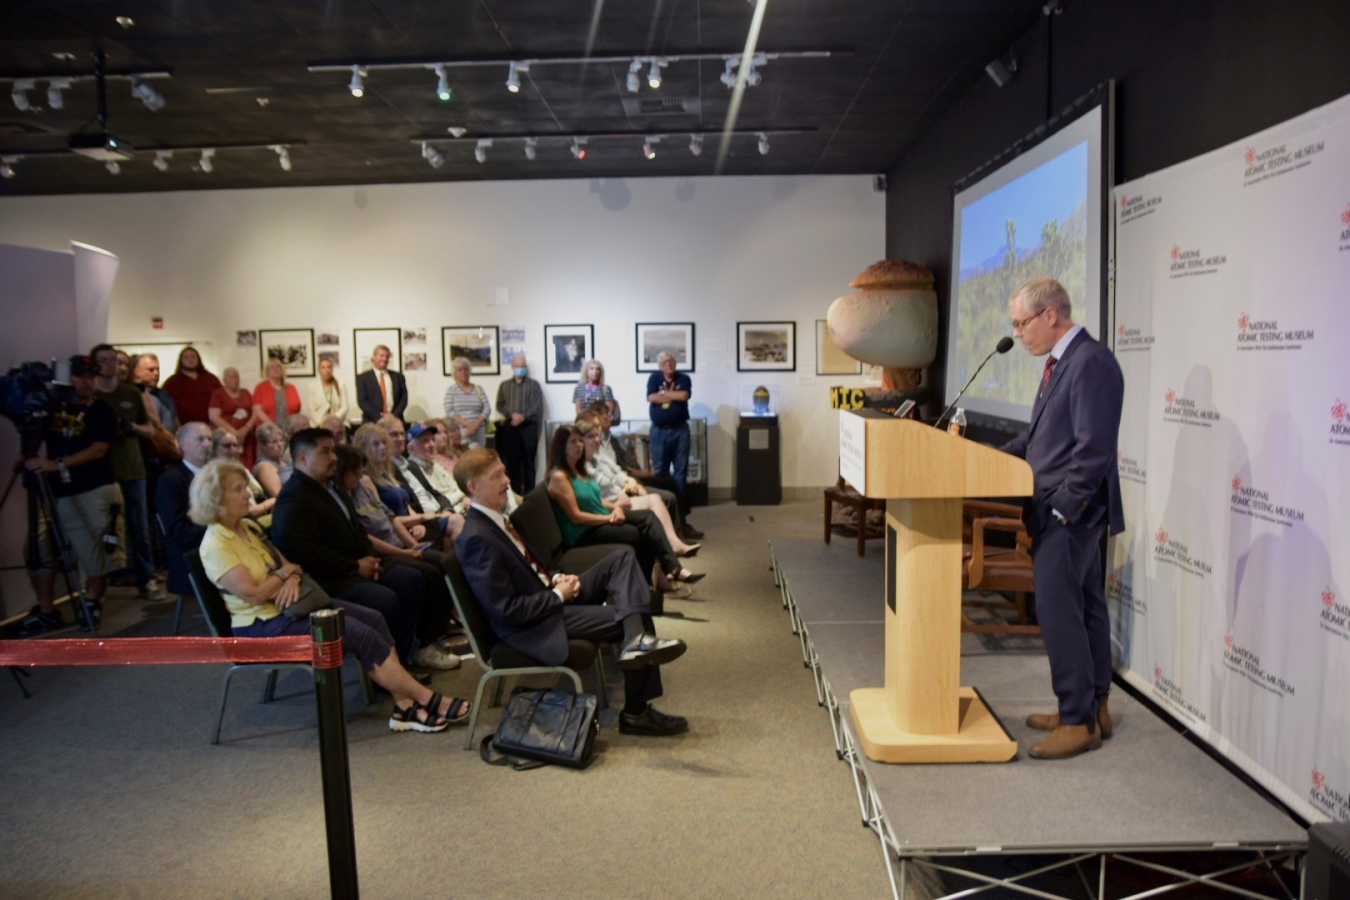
1004, 346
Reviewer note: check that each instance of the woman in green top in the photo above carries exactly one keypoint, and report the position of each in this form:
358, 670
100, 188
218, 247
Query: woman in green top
585, 518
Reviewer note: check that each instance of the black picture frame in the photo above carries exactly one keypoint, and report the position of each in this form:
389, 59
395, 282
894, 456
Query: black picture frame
566, 349
293, 346
650, 338
766, 346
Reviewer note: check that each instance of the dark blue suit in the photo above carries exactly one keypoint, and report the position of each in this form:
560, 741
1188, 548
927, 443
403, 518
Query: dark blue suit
181, 534
528, 616
1070, 444
371, 401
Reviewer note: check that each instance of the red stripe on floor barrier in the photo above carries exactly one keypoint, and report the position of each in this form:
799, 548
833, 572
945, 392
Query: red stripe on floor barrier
155, 651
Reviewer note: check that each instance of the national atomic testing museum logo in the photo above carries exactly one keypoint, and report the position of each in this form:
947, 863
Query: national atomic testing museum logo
1263, 164
1266, 334
1183, 410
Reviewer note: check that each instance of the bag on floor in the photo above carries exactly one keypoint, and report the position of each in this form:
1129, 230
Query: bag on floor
542, 727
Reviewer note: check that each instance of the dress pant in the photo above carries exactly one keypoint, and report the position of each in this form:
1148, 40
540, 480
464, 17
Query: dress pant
644, 534
664, 484
615, 606
140, 555
1071, 610
398, 595
518, 446
438, 609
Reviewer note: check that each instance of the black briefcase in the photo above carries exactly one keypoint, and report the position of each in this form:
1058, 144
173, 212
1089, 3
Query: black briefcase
542, 727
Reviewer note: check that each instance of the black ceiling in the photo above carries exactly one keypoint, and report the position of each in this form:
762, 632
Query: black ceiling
898, 65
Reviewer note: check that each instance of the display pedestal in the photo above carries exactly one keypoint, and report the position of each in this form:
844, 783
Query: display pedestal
759, 464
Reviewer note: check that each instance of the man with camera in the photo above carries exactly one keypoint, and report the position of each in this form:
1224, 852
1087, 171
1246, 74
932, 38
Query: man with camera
77, 467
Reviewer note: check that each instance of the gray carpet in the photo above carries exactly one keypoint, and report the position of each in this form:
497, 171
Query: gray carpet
112, 789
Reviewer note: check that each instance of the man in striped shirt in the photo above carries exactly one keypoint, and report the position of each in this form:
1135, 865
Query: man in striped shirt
520, 401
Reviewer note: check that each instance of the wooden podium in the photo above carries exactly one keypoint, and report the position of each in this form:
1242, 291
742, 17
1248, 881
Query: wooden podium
923, 714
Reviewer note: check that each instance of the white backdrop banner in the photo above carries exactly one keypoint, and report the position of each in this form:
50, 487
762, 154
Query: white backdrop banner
1229, 589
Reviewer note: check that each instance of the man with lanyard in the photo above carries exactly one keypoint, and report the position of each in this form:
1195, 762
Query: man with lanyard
81, 477
668, 393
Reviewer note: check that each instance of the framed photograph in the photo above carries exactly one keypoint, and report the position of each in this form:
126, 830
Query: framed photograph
365, 340
568, 347
830, 360
479, 344
655, 338
293, 346
766, 346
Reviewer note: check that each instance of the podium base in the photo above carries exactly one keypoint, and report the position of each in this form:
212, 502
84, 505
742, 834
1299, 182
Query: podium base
981, 737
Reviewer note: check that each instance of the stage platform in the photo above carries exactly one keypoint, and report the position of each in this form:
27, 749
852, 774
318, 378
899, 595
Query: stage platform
1148, 790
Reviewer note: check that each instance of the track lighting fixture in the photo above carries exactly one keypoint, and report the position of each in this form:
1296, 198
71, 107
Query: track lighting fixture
7, 166
752, 77
512, 81
113, 167
442, 83
283, 156
20, 94
456, 131
654, 73
206, 164
153, 99
162, 158
56, 99
432, 155
531, 148
1001, 72
480, 151
633, 69
728, 76
358, 84
578, 148
763, 144
696, 144
648, 150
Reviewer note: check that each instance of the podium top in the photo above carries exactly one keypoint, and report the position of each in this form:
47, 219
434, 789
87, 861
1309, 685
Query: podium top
885, 457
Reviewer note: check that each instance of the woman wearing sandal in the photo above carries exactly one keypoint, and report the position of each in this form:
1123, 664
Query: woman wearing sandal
585, 518
259, 584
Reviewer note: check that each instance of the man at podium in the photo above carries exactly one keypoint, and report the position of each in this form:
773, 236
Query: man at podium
1070, 444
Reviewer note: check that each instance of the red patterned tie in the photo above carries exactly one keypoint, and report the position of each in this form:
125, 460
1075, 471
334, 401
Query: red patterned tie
529, 554
1049, 367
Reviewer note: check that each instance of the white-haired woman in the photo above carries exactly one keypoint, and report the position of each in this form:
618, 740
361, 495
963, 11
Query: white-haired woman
259, 583
592, 387
273, 468
466, 405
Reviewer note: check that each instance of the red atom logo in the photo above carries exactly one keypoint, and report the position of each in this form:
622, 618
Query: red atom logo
1161, 537
1338, 410
1170, 397
1124, 202
1249, 156
1328, 598
1237, 484
1319, 780
1345, 216
1157, 672
1243, 321
1122, 329
1176, 252
1228, 640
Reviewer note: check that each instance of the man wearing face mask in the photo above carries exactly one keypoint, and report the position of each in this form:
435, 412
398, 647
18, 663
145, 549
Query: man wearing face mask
521, 403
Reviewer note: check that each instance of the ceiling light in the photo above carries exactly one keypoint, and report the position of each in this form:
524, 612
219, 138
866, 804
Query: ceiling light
153, 99
654, 73
7, 166
125, 21
633, 69
728, 76
206, 165
512, 81
531, 147
480, 151
456, 131
579, 148
162, 158
696, 144
432, 155
262, 101
56, 99
20, 94
358, 84
763, 144
647, 149
442, 83
113, 166
283, 156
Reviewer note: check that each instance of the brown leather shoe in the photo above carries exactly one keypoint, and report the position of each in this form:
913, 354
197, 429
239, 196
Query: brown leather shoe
1050, 721
1066, 741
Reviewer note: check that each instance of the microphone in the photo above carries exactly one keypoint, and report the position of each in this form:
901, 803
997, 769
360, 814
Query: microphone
1005, 344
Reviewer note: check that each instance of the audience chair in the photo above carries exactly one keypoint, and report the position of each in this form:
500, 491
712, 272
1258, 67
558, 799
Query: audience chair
500, 661
536, 523
217, 618
177, 610
986, 568
845, 495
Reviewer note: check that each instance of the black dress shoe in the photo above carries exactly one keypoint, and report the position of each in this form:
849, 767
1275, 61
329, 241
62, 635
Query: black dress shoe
652, 721
650, 650
694, 578
689, 532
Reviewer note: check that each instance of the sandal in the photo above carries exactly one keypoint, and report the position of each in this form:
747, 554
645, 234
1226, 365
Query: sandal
458, 711
407, 718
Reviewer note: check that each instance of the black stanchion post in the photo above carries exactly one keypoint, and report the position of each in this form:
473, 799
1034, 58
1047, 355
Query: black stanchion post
326, 630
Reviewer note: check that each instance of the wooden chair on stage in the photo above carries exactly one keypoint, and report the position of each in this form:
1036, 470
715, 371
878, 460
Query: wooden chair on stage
844, 495
987, 568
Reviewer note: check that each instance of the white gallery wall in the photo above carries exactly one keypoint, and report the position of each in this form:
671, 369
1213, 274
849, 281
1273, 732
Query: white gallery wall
612, 252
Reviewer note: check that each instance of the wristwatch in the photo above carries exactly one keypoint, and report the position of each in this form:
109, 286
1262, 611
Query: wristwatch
61, 468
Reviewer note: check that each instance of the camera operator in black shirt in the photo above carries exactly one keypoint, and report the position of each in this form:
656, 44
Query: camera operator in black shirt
80, 474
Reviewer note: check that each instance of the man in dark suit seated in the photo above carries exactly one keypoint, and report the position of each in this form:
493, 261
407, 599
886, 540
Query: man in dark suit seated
536, 613
316, 526
181, 534
381, 390
1071, 446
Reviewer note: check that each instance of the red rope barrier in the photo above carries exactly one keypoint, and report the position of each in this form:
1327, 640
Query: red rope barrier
155, 651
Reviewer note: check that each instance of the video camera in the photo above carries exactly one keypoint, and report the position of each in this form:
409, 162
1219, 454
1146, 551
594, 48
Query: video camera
30, 395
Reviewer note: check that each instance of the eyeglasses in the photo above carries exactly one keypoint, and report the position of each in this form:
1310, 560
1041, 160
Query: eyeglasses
1019, 324
229, 446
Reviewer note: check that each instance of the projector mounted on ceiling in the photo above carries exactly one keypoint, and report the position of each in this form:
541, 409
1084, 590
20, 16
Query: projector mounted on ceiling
102, 147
